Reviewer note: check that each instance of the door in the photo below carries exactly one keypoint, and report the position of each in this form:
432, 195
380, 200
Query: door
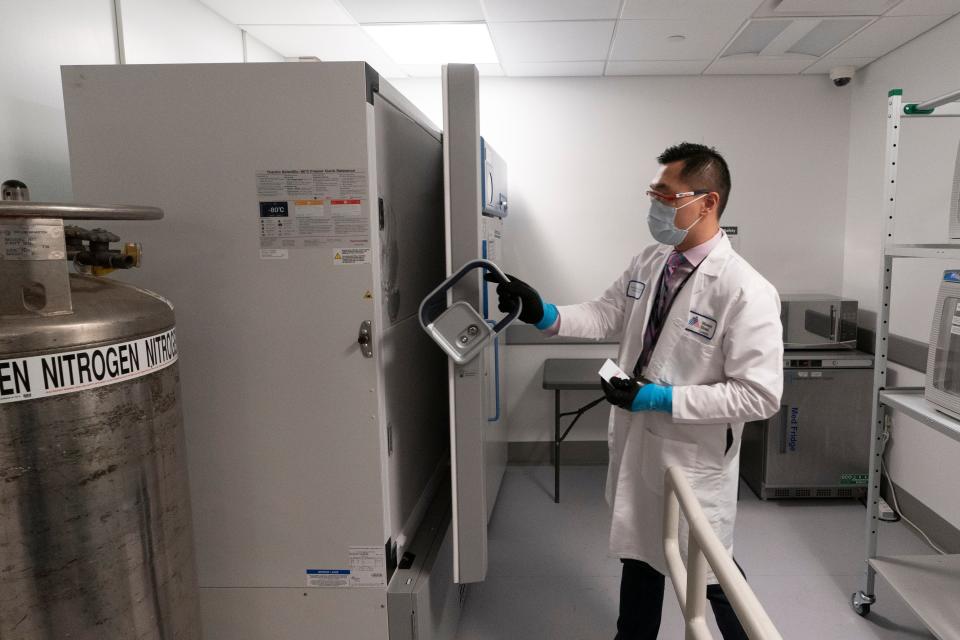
477, 458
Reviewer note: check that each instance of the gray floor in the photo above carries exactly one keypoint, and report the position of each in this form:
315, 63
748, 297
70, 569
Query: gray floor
550, 576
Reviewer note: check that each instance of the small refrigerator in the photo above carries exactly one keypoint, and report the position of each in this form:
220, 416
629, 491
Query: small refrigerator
818, 444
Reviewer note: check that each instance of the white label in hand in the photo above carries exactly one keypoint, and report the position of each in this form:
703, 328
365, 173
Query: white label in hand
611, 370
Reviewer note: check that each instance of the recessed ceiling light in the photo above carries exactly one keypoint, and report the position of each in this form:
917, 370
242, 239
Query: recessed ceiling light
676, 38
435, 43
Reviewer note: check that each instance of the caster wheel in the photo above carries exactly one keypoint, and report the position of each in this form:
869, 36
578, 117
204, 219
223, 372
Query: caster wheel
858, 605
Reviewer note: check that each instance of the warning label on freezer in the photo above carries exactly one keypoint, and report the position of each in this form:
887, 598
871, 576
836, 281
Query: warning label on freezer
58, 373
351, 256
312, 208
32, 239
328, 578
368, 567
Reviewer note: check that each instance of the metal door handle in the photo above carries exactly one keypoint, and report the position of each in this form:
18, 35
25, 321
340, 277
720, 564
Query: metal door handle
364, 339
496, 377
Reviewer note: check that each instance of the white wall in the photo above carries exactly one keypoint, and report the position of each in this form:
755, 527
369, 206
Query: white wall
38, 37
175, 31
581, 152
921, 461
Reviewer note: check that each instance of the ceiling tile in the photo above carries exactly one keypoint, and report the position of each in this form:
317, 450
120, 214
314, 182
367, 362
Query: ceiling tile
805, 8
551, 41
586, 68
281, 11
433, 70
647, 39
749, 64
542, 10
374, 11
885, 35
689, 9
656, 67
756, 36
832, 7
327, 43
825, 64
828, 34
926, 8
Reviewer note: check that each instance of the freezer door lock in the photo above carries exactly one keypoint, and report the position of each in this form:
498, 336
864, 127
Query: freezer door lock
365, 340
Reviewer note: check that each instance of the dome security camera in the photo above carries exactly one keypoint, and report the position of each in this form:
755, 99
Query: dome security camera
841, 76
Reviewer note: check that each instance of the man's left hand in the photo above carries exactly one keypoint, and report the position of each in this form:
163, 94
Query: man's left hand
632, 395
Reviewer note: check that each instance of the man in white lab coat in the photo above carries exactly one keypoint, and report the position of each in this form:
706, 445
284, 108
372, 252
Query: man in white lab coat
700, 338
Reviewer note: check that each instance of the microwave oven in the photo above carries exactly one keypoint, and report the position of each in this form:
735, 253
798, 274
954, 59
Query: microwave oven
818, 321
942, 387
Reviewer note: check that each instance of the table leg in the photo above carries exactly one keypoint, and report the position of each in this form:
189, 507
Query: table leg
556, 445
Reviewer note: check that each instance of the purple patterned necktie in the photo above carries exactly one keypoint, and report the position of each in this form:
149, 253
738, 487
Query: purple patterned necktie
674, 274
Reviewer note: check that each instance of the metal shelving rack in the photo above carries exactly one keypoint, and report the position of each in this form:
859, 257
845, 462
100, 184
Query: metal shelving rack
930, 584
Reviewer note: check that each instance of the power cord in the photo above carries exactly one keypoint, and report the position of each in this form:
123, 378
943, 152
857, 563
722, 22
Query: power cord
884, 439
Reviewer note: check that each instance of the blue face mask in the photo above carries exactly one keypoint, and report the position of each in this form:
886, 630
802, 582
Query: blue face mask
661, 221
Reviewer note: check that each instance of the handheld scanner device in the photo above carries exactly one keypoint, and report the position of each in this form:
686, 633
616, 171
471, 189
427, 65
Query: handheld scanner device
459, 329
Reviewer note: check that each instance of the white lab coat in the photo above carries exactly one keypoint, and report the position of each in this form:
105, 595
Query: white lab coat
722, 374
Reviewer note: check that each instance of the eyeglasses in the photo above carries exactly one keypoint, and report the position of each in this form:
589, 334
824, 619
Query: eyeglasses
668, 198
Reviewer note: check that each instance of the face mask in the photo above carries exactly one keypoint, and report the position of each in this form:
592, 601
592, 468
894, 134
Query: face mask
661, 222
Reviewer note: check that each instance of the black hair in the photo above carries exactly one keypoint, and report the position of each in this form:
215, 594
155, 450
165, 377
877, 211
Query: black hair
703, 168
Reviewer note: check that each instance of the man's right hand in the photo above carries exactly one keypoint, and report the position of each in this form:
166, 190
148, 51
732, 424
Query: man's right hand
517, 289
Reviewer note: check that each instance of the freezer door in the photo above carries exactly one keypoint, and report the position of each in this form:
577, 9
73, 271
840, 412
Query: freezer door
286, 454
477, 459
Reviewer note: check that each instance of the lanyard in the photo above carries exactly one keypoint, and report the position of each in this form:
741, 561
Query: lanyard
648, 349
656, 301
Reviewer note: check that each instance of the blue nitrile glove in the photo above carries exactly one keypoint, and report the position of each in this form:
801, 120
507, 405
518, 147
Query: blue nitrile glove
535, 311
633, 395
653, 397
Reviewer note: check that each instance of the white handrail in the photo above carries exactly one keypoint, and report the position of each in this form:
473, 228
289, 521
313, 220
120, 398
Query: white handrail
705, 549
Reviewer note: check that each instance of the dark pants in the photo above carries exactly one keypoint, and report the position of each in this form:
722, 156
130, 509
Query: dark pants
641, 602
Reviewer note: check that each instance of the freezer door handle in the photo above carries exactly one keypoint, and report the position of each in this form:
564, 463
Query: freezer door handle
364, 339
783, 428
496, 377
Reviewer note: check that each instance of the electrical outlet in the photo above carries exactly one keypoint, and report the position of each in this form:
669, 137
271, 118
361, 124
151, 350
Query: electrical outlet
887, 514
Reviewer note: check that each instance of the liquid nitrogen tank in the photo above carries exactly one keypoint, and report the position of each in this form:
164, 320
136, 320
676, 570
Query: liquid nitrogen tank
95, 527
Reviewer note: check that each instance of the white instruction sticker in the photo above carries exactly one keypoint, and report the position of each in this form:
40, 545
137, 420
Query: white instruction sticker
328, 578
368, 567
312, 208
955, 331
57, 373
351, 256
274, 254
32, 239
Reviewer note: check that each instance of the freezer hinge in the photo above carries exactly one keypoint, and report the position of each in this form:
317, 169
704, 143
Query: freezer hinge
365, 339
